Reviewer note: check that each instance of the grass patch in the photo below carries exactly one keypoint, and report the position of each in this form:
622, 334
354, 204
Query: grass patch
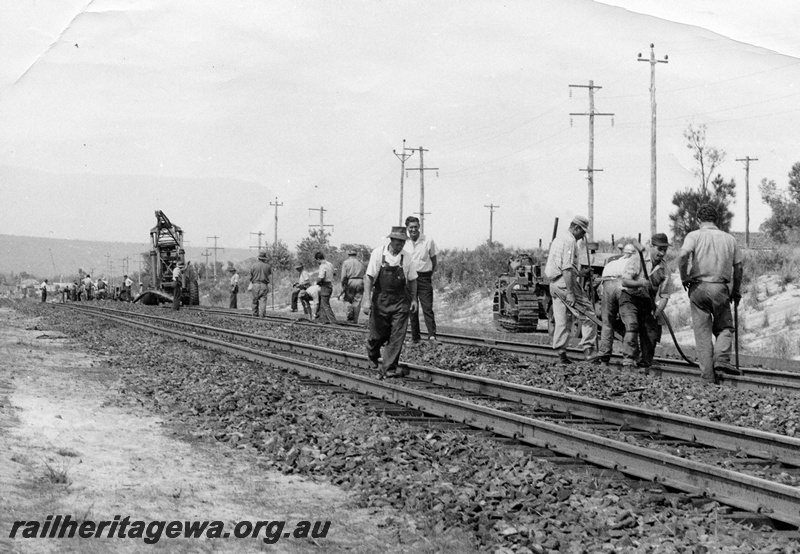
67, 453
57, 476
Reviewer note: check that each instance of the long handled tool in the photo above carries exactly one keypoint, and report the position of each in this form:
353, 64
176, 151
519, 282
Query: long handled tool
736, 333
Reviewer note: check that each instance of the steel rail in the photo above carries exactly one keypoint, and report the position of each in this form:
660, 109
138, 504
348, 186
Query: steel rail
752, 378
753, 494
753, 442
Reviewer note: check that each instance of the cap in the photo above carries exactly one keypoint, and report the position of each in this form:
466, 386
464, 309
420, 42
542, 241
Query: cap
262, 255
232, 270
581, 222
299, 266
629, 249
659, 239
398, 233
352, 252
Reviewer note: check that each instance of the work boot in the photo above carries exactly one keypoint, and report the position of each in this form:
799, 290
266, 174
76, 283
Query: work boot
727, 368
599, 359
563, 358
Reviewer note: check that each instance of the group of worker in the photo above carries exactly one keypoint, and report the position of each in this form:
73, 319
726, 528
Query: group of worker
397, 282
87, 289
635, 290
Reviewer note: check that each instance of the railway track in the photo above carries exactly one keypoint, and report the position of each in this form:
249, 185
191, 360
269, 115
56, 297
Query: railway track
752, 378
637, 442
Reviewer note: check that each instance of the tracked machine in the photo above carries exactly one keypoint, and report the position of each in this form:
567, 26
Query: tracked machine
166, 241
522, 302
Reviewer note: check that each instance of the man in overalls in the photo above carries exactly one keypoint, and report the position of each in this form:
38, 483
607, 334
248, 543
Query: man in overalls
391, 287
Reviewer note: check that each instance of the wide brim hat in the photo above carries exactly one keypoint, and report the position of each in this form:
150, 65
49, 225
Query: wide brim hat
299, 266
262, 256
581, 222
659, 239
398, 232
352, 252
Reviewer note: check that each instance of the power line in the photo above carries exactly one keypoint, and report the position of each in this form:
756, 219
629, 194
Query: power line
747, 161
277, 205
215, 248
321, 225
402, 157
422, 169
653, 196
491, 219
590, 169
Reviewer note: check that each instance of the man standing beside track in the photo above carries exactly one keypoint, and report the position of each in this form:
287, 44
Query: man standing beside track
391, 290
259, 278
352, 285
713, 281
325, 282
177, 291
569, 299
423, 252
234, 300
642, 301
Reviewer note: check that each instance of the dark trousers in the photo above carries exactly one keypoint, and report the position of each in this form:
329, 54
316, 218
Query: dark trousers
425, 299
642, 331
325, 310
388, 323
234, 298
176, 299
44, 295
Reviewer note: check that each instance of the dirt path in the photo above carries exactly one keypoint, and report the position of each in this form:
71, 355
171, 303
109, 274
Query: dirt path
68, 446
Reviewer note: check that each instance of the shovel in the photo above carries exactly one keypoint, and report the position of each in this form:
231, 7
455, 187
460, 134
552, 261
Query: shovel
736, 334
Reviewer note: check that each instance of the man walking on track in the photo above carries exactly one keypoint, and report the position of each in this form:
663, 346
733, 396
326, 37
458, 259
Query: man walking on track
569, 299
713, 281
391, 291
423, 252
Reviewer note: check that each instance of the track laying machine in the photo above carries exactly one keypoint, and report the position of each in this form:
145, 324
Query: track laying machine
166, 242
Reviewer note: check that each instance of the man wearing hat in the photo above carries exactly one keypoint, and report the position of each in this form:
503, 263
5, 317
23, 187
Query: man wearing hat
352, 284
390, 287
644, 296
569, 300
423, 251
299, 290
611, 283
714, 280
234, 303
259, 278
177, 291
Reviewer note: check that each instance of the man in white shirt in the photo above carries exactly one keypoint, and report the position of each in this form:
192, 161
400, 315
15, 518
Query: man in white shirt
325, 282
177, 277
611, 288
390, 288
234, 302
423, 251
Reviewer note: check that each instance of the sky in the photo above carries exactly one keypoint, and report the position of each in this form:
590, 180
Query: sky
222, 114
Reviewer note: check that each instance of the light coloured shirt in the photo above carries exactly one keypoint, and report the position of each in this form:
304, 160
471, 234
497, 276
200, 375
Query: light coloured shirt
128, 282
614, 268
325, 272
176, 273
659, 276
305, 278
382, 253
422, 250
714, 253
352, 269
563, 255
235, 279
87, 282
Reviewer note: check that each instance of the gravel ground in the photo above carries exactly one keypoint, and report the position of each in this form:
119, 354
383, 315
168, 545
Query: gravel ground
460, 485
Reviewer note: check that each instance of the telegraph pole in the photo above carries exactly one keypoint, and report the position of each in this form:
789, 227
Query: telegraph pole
590, 169
215, 248
260, 234
747, 161
491, 219
653, 61
322, 225
206, 255
402, 157
277, 205
422, 169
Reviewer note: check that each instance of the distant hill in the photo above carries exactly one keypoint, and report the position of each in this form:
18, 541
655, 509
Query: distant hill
50, 258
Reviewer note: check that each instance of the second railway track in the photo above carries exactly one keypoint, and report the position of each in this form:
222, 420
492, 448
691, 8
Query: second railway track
595, 431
